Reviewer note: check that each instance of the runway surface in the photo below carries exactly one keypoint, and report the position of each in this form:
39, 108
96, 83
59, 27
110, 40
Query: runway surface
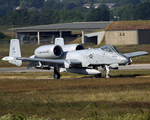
24, 69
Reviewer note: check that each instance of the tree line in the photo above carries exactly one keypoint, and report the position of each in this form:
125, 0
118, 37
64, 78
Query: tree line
53, 11
133, 12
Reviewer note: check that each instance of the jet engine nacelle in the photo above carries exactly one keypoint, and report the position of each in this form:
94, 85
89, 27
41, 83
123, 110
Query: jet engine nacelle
49, 51
72, 47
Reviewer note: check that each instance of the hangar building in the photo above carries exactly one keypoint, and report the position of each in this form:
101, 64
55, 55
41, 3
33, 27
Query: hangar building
128, 32
69, 31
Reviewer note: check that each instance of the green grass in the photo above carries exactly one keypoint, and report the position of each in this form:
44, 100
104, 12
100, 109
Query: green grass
113, 73
124, 96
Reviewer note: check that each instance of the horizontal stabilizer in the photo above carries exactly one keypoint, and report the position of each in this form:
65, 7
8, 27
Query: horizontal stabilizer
12, 60
135, 54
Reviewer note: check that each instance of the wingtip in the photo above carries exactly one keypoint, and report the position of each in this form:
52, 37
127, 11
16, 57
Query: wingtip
7, 58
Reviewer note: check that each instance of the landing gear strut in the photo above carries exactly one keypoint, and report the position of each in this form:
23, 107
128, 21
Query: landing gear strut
106, 70
56, 73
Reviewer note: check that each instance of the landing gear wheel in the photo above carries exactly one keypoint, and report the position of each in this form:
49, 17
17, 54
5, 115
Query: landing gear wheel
56, 76
56, 73
108, 76
98, 76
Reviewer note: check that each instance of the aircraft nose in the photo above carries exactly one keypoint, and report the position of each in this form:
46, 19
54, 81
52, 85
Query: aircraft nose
124, 60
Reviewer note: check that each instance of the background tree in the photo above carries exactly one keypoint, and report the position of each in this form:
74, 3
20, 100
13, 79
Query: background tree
65, 16
2, 35
22, 16
91, 2
14, 3
56, 11
16, 18
48, 5
145, 1
128, 12
58, 6
103, 6
33, 17
33, 9
5, 8
31, 3
124, 13
8, 19
99, 14
126, 2
45, 17
142, 11
52, 5
56, 18
79, 2
109, 1
70, 6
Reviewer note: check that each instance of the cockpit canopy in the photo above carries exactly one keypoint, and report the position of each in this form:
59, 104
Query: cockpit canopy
110, 48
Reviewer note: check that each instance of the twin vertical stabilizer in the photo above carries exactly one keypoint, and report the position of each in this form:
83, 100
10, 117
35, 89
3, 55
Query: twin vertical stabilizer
59, 41
14, 52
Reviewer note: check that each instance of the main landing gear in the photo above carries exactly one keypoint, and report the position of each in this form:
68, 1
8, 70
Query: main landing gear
98, 75
106, 71
105, 68
56, 73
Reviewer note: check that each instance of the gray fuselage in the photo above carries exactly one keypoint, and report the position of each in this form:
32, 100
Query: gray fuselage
95, 57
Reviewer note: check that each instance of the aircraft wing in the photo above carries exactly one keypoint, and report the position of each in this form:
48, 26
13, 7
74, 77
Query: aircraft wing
50, 61
135, 54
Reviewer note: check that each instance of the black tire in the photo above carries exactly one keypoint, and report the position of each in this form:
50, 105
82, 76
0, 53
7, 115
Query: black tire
98, 76
56, 76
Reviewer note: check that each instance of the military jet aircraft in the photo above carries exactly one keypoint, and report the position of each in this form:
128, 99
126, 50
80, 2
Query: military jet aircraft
72, 58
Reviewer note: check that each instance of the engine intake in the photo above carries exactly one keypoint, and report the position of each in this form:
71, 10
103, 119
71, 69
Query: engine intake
49, 51
72, 47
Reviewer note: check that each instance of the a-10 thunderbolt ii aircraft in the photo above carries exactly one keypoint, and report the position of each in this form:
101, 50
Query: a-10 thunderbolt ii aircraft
72, 58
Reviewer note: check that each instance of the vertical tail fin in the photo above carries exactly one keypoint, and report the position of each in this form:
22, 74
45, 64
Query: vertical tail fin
14, 50
14, 53
59, 41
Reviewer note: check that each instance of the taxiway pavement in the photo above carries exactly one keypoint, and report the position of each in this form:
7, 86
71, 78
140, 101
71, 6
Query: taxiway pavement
24, 69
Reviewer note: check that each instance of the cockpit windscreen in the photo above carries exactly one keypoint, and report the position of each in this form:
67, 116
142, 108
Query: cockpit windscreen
110, 48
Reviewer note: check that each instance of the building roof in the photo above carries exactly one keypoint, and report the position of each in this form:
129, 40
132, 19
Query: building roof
129, 25
77, 26
109, 5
